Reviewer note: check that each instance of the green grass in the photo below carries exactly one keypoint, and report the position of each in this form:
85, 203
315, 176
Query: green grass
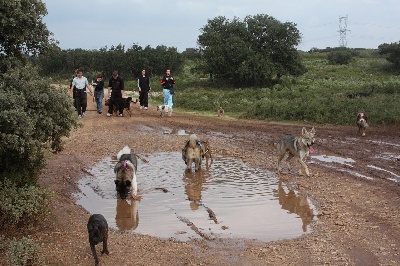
319, 96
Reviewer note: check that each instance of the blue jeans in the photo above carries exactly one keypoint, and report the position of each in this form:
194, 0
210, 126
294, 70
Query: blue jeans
167, 98
99, 99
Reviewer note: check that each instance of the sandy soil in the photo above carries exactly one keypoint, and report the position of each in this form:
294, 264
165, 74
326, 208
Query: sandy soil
358, 219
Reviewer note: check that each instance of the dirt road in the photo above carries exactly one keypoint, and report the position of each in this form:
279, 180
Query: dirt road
358, 203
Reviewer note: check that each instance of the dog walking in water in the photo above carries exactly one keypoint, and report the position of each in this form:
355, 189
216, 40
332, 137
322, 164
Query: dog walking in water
192, 153
125, 171
298, 147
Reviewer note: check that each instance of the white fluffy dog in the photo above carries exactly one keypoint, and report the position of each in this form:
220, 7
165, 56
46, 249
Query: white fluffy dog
164, 109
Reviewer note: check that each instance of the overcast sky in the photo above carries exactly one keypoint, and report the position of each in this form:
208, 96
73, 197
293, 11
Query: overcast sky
93, 24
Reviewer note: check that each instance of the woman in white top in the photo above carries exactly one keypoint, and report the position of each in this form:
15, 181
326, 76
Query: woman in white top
80, 83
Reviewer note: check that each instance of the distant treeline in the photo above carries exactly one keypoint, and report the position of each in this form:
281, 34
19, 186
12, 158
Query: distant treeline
128, 62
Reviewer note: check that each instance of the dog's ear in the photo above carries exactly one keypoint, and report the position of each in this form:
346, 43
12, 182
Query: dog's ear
313, 130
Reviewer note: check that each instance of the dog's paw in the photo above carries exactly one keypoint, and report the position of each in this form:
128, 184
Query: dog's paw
105, 251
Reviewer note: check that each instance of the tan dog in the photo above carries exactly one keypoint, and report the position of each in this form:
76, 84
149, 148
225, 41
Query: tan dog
220, 111
206, 151
191, 153
298, 147
361, 121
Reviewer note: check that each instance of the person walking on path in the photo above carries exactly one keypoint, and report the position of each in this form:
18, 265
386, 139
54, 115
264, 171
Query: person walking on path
79, 85
116, 94
99, 92
168, 82
144, 88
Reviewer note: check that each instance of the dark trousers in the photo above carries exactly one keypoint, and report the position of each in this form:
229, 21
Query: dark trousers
118, 102
144, 98
81, 101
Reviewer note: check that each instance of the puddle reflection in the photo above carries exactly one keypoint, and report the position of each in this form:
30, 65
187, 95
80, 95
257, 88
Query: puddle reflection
227, 200
296, 203
127, 214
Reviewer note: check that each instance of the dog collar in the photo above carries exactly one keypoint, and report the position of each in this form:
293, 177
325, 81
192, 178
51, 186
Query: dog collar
126, 168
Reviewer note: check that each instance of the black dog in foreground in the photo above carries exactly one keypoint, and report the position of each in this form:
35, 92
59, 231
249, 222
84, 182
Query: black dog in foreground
98, 232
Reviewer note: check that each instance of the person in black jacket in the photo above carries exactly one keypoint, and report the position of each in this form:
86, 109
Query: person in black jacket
167, 83
99, 91
116, 94
144, 88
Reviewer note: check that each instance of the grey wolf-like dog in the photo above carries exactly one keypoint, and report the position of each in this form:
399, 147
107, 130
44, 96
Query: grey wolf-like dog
164, 109
362, 122
297, 147
191, 153
98, 232
125, 171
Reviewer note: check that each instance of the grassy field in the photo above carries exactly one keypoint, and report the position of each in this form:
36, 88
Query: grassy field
327, 93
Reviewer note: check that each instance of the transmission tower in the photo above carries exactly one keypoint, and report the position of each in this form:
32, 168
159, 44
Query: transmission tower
342, 31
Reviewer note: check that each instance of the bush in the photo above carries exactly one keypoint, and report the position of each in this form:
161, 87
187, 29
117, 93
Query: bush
22, 206
33, 116
340, 57
24, 252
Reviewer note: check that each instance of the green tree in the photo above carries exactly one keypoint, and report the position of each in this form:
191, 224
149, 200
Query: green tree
392, 52
22, 29
33, 115
256, 51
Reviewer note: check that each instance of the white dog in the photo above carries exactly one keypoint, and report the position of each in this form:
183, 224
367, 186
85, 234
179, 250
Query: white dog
164, 109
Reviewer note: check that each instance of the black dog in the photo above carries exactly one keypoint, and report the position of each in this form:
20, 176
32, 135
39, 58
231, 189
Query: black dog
127, 104
98, 232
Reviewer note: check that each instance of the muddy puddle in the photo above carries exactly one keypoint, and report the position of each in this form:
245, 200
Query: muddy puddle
229, 199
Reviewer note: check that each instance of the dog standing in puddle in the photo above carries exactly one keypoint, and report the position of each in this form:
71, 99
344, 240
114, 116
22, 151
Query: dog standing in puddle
191, 153
125, 171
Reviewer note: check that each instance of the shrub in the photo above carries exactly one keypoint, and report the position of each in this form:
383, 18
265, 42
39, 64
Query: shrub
24, 252
33, 116
340, 57
22, 206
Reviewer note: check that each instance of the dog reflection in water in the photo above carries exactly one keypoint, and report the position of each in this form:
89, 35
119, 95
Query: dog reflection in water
127, 217
193, 188
297, 204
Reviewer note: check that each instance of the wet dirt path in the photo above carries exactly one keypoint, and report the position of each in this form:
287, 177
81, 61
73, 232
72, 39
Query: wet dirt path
358, 217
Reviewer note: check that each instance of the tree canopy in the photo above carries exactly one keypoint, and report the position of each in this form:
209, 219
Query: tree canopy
33, 115
392, 52
22, 29
253, 51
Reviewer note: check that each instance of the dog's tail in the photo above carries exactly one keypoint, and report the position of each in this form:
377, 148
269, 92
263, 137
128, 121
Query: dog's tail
193, 140
125, 150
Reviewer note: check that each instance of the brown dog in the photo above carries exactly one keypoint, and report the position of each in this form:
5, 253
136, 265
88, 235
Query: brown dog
206, 151
98, 232
191, 153
220, 111
361, 121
